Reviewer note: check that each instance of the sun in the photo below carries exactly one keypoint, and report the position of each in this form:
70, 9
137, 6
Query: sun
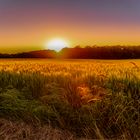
56, 44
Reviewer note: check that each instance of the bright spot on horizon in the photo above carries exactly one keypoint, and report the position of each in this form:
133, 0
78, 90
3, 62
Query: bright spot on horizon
56, 44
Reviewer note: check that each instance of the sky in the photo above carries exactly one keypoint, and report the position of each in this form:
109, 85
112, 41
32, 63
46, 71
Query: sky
29, 24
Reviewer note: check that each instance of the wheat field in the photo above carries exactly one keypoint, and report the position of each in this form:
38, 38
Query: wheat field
91, 99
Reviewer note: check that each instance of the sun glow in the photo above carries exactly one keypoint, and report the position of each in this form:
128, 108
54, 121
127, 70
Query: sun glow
56, 44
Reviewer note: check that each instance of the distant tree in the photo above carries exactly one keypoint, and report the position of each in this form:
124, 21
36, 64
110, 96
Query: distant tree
94, 52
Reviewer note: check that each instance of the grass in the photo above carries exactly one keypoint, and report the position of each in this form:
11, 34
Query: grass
90, 99
22, 131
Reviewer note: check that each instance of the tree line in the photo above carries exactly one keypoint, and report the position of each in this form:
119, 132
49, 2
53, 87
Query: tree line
88, 52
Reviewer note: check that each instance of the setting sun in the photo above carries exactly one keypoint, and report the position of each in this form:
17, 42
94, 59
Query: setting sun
56, 44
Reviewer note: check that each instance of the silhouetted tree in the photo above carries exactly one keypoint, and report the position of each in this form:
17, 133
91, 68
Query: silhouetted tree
88, 52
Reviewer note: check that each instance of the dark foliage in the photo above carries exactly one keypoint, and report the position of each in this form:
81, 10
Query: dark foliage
95, 52
33, 54
105, 52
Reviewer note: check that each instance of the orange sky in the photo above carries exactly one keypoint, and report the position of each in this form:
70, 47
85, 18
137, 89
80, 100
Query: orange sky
35, 38
26, 26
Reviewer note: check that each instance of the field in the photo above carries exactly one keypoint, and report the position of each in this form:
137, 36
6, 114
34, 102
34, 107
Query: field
69, 99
